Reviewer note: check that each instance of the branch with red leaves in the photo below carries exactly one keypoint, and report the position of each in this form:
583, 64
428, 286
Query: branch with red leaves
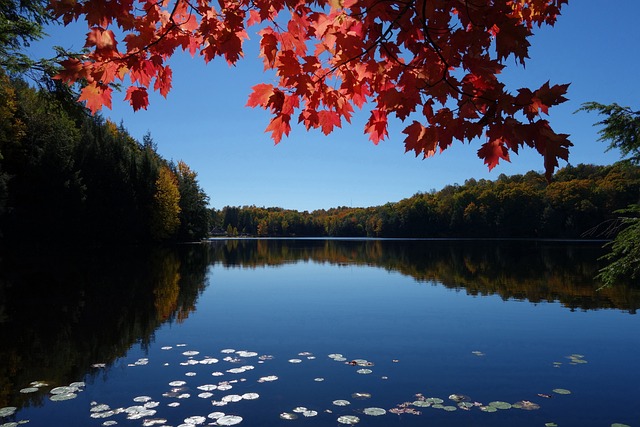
433, 63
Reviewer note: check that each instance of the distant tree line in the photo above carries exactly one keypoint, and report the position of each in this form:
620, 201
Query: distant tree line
68, 176
580, 202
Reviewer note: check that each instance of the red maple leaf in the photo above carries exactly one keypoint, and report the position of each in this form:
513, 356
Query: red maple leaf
492, 152
96, 96
278, 126
328, 120
137, 97
376, 127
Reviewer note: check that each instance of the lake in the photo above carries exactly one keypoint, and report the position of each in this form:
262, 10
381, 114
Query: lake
314, 332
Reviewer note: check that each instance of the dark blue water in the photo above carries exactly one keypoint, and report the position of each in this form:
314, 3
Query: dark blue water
420, 337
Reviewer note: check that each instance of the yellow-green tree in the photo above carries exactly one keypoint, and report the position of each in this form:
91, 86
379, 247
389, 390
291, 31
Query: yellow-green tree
166, 212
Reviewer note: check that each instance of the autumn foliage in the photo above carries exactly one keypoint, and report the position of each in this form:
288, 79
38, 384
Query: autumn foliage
432, 64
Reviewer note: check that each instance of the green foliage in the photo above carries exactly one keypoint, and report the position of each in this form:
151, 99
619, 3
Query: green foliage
578, 200
624, 258
21, 22
194, 217
70, 177
621, 128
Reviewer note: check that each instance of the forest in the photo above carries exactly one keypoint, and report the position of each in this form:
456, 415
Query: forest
67, 176
580, 202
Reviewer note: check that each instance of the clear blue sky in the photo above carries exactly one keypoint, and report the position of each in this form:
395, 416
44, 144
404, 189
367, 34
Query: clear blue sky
204, 121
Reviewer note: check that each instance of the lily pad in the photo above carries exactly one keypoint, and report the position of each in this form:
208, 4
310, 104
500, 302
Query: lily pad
216, 415
459, 398
207, 387
8, 411
232, 398
619, 425
450, 408
63, 396
434, 400
29, 390
500, 405
250, 396
364, 371
288, 416
526, 405
195, 420
244, 353
348, 419
229, 420
465, 405
375, 412
341, 402
488, 409
63, 390
561, 391
421, 403
299, 409
310, 413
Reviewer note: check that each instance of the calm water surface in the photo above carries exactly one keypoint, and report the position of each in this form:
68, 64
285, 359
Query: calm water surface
490, 321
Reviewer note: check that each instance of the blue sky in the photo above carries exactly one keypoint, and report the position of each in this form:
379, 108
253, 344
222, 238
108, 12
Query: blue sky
204, 121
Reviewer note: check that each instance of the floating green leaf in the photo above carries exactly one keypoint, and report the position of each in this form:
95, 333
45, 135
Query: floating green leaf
348, 419
375, 412
63, 396
619, 425
561, 391
229, 420
216, 415
195, 420
500, 405
526, 405
341, 402
8, 411
421, 403
288, 416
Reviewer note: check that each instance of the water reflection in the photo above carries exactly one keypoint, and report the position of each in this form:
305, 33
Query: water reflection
536, 271
62, 312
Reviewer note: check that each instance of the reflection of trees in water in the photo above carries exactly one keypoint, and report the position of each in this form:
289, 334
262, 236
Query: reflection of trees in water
60, 313
64, 312
533, 270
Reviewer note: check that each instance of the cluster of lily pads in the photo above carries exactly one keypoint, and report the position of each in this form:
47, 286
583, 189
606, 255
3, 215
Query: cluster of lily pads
216, 393
457, 401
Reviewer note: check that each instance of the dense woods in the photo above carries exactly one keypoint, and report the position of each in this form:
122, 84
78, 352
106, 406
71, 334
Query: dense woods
580, 202
66, 175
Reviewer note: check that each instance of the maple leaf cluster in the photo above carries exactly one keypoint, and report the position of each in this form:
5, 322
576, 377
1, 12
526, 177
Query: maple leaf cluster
435, 63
